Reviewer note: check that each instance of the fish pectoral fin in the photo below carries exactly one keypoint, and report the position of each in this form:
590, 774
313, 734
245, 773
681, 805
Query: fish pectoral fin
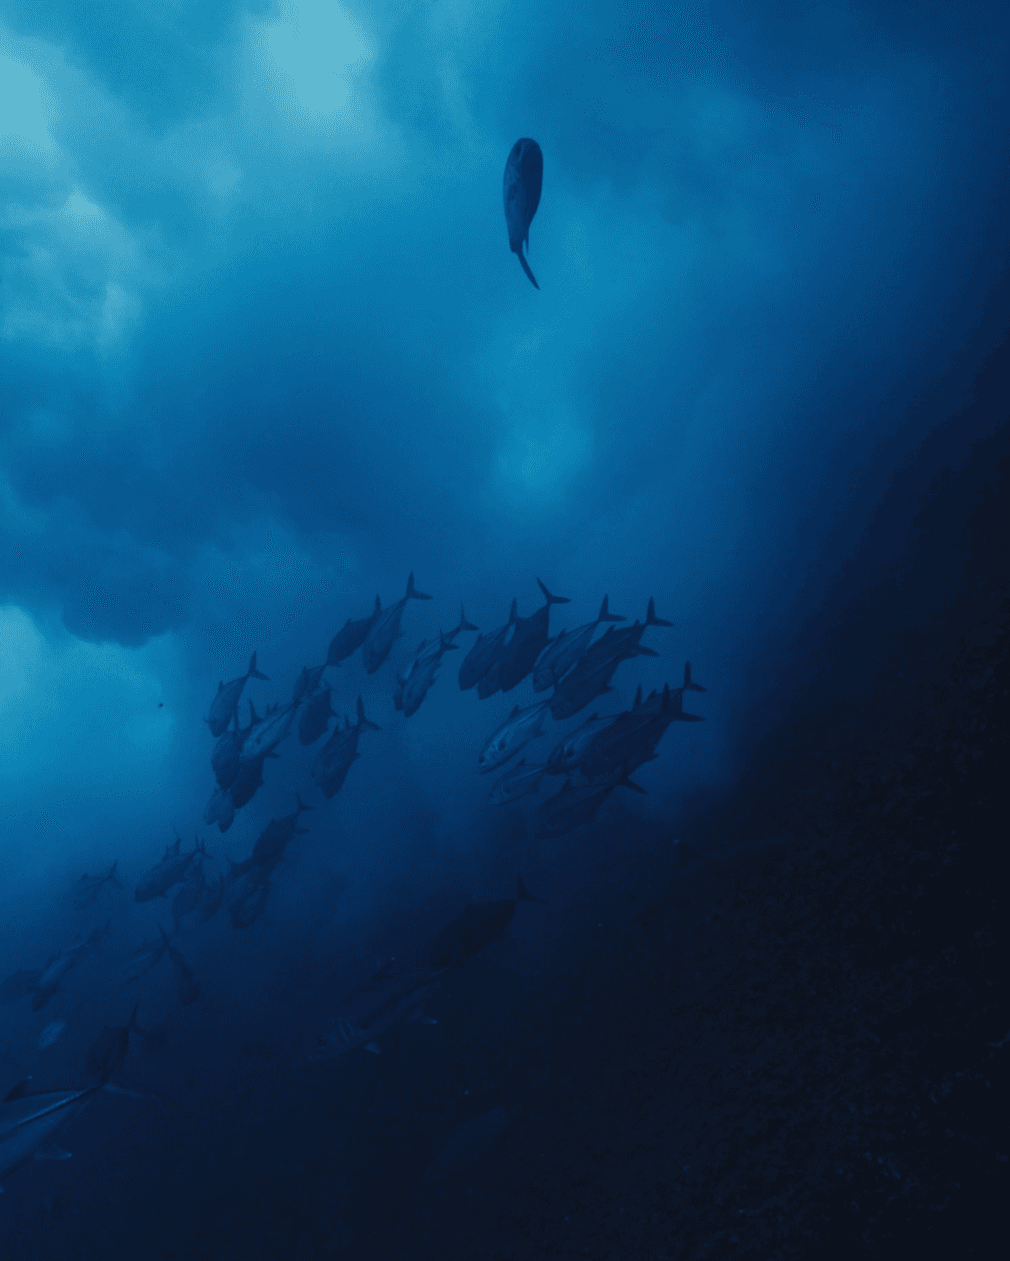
52, 1152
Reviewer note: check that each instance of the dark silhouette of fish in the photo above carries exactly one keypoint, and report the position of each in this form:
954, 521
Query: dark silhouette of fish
315, 717
524, 177
226, 701
333, 761
91, 886
352, 635
528, 641
476, 927
484, 654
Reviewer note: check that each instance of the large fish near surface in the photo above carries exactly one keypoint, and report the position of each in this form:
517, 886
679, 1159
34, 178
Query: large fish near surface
315, 717
228, 696
172, 870
528, 641
386, 628
576, 804
517, 783
559, 657
521, 726
350, 638
267, 734
91, 886
476, 927
485, 653
334, 759
415, 687
524, 177
386, 1002
188, 986
632, 737
29, 1124
225, 761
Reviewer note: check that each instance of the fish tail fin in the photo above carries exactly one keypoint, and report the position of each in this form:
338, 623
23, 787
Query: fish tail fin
412, 592
514, 612
650, 617
552, 599
607, 616
111, 877
642, 651
689, 683
463, 623
254, 673
524, 894
363, 722
301, 804
526, 267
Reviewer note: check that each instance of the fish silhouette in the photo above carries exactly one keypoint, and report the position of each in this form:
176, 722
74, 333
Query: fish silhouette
524, 176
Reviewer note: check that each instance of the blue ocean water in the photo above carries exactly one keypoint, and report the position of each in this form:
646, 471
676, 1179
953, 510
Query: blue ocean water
265, 351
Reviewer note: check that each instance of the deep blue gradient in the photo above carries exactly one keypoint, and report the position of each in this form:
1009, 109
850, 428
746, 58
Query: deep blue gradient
264, 351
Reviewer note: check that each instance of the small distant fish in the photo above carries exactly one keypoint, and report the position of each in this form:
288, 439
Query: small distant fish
524, 177
477, 926
91, 886
52, 1033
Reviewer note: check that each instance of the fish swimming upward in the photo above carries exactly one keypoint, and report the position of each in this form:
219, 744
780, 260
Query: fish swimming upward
524, 177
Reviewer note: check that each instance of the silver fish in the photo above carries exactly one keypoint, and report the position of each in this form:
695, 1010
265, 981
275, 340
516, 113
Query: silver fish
521, 726
386, 628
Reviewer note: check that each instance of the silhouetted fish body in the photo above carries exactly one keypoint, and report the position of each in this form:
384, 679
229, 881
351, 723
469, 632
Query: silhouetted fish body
170, 871
386, 629
634, 736
273, 840
574, 805
484, 654
566, 755
29, 1124
422, 676
517, 783
220, 809
521, 726
226, 701
389, 1001
588, 680
91, 886
527, 643
210, 901
524, 177
477, 926
350, 638
247, 783
307, 682
559, 657
267, 735
315, 717
333, 761
620, 645
490, 683
249, 900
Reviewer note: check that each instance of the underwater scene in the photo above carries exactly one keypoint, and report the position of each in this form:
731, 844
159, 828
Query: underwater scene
503, 629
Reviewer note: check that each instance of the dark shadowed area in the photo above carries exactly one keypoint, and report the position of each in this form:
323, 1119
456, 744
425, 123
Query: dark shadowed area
335, 927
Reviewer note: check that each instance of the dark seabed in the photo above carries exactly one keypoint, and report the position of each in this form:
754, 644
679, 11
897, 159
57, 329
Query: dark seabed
265, 354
